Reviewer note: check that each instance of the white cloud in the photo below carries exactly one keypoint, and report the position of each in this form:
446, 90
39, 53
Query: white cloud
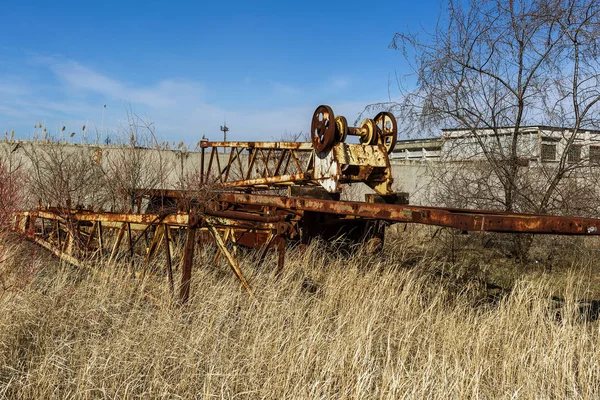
339, 82
284, 89
178, 107
163, 94
11, 88
10, 111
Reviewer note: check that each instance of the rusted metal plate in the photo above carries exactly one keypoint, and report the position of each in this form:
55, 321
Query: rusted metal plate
252, 239
358, 154
396, 198
328, 172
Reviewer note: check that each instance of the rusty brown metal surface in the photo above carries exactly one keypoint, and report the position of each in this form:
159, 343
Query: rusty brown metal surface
178, 219
187, 264
268, 181
455, 218
304, 146
168, 258
245, 216
322, 128
388, 130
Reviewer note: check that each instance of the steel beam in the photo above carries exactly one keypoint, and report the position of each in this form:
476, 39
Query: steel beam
466, 220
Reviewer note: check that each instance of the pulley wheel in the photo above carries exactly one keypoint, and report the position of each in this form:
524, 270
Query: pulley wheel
322, 129
341, 125
369, 136
388, 130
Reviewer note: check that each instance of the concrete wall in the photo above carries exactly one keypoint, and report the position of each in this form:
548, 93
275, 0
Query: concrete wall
101, 166
414, 178
176, 164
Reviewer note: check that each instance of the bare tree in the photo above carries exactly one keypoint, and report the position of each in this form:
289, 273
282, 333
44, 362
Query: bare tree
63, 175
491, 68
136, 162
12, 181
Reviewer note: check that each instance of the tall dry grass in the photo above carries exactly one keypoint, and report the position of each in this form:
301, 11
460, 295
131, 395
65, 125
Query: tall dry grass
362, 326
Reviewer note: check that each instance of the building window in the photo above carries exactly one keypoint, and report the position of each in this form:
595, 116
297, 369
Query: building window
574, 153
548, 151
595, 155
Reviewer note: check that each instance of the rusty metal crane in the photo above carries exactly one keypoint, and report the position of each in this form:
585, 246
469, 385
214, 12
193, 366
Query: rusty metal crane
239, 202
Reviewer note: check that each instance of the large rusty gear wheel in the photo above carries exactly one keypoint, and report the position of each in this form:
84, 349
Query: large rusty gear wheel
322, 128
388, 130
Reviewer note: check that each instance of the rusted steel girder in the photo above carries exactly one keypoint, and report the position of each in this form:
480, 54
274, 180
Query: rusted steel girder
177, 219
466, 220
141, 221
303, 146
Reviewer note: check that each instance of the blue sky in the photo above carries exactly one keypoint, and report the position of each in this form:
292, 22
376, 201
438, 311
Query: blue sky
185, 66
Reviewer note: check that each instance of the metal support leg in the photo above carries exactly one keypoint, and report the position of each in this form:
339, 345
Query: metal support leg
188, 259
232, 261
168, 254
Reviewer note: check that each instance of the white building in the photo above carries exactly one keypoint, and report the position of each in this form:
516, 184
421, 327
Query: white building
543, 144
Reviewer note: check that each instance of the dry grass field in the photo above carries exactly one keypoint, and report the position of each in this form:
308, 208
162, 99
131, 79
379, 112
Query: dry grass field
404, 324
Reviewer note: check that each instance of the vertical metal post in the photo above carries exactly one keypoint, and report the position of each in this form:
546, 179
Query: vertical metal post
100, 239
224, 129
281, 260
168, 254
57, 227
265, 248
202, 166
188, 259
91, 234
31, 225
118, 239
130, 248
